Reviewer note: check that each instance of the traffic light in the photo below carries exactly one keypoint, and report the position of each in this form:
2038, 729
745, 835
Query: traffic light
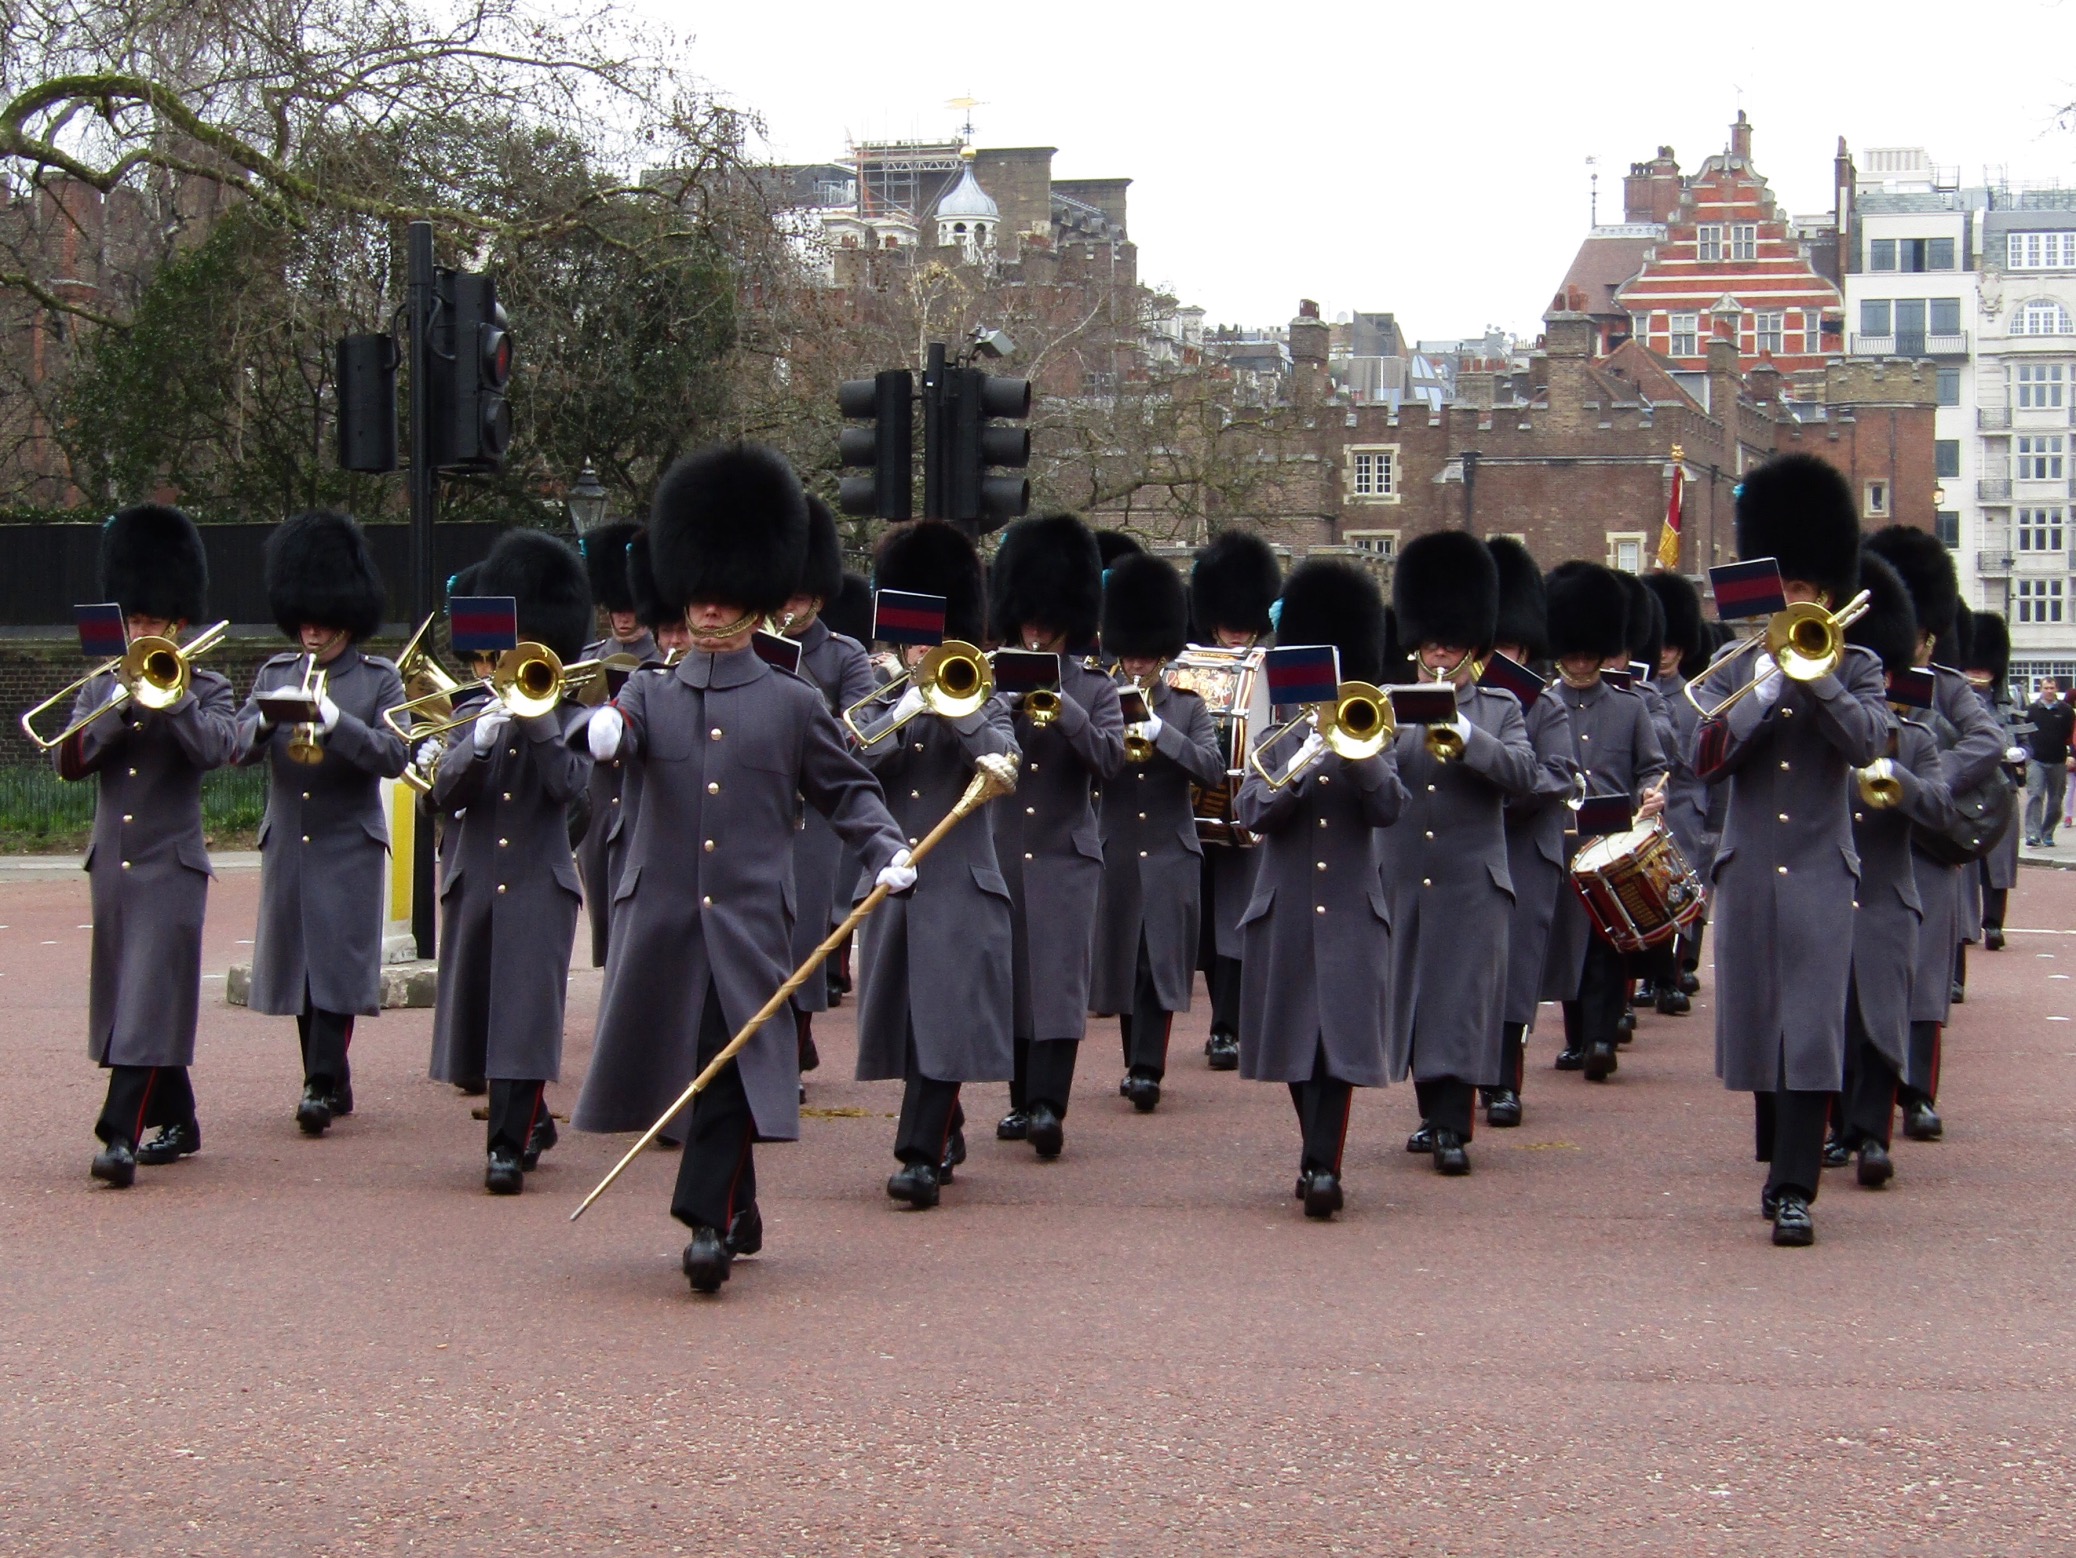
471, 366
885, 448
365, 383
978, 440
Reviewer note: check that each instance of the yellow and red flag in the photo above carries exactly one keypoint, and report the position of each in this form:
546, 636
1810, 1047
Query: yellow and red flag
1669, 536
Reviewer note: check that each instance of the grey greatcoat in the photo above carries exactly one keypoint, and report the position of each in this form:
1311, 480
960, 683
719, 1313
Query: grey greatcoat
1153, 867
1686, 797
324, 842
1537, 855
1971, 744
508, 899
147, 865
726, 746
603, 848
1786, 873
1616, 747
1315, 969
2000, 865
939, 954
1052, 854
1450, 894
842, 671
1889, 914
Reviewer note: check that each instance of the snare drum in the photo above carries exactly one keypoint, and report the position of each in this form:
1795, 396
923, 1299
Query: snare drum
1638, 889
1236, 694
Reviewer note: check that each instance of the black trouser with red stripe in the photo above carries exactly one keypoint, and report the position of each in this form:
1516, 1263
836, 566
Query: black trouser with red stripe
1322, 1110
1921, 1075
1044, 1073
325, 1036
1446, 1103
1145, 1028
516, 1108
140, 1097
1867, 1102
929, 1112
1789, 1130
1513, 1041
717, 1177
1603, 997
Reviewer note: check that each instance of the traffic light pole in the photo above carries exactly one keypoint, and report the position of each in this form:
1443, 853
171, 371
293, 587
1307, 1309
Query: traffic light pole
425, 497
936, 436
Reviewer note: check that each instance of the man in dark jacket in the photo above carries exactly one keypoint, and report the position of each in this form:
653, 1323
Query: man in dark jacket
2047, 770
324, 842
627, 644
147, 864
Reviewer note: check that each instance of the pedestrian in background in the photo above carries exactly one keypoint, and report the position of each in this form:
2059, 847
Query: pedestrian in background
2047, 773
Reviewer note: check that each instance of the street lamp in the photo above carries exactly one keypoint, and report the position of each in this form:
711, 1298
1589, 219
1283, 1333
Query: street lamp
586, 501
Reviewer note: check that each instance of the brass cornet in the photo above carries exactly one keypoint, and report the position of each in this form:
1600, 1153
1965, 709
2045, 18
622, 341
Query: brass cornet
954, 679
154, 671
306, 741
1878, 784
1357, 724
1137, 749
1805, 640
1041, 706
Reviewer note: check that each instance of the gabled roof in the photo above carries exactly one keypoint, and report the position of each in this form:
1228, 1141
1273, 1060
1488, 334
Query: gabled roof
1603, 263
1650, 375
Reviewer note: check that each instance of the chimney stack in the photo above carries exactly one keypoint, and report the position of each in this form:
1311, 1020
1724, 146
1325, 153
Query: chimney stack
1741, 139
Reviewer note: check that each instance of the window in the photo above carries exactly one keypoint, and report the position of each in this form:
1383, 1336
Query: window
2040, 251
1945, 316
2041, 316
1946, 457
1939, 254
1744, 241
1949, 386
1910, 254
1373, 474
1625, 550
1708, 242
2038, 600
2040, 530
2040, 457
1881, 254
1771, 327
1877, 499
1875, 316
2039, 386
1686, 332
1380, 544
1946, 524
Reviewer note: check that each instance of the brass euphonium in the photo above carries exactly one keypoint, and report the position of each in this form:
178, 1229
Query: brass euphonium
1357, 724
430, 690
1878, 784
954, 679
153, 672
1806, 642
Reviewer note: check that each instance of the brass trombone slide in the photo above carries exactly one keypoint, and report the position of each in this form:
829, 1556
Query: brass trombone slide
154, 671
1357, 724
954, 679
1806, 642
530, 680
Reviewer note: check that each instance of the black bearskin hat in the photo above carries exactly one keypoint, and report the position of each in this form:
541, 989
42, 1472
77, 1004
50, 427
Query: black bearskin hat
849, 611
1523, 619
1445, 590
319, 570
546, 579
1397, 666
1588, 611
1232, 584
1924, 564
1645, 633
1048, 573
1800, 509
822, 575
1989, 649
729, 527
1327, 601
1145, 608
1956, 645
605, 563
1113, 544
153, 565
1890, 626
650, 609
1680, 604
929, 557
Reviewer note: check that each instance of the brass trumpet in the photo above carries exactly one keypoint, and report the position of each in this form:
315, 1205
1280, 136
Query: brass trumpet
1041, 706
1806, 642
1357, 724
1878, 784
1443, 744
154, 671
954, 679
1137, 749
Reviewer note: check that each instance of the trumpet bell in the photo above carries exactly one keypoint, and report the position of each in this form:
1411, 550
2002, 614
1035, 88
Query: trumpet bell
955, 679
1042, 707
1443, 744
1359, 722
1878, 785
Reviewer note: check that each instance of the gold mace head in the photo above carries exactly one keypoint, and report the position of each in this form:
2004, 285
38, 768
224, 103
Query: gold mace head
993, 774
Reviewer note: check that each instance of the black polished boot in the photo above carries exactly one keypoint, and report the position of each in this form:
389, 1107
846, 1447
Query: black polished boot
1921, 1121
502, 1175
1044, 1131
1673, 1003
1877, 1168
1502, 1107
1142, 1090
1792, 1224
915, 1183
172, 1143
706, 1261
539, 1140
115, 1164
745, 1232
1222, 1050
1013, 1126
954, 1155
1571, 1060
1449, 1155
1600, 1062
1322, 1194
314, 1111
1421, 1140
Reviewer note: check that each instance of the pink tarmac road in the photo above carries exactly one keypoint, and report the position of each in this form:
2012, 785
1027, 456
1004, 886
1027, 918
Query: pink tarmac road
344, 1346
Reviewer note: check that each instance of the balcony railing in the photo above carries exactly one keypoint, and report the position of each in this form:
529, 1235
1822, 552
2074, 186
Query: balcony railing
1993, 564
1911, 343
1993, 419
1993, 489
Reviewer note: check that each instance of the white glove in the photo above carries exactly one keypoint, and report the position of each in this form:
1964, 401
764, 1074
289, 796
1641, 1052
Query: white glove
1152, 726
428, 754
909, 704
1462, 726
1312, 746
604, 732
490, 725
327, 714
1771, 682
2016, 754
897, 875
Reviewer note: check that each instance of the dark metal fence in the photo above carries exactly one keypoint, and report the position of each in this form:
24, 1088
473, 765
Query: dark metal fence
38, 808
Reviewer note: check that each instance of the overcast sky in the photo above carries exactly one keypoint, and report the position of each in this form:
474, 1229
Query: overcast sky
1429, 160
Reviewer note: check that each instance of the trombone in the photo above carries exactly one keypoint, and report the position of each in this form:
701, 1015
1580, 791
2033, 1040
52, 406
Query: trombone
154, 671
1806, 642
431, 688
530, 680
954, 679
1357, 724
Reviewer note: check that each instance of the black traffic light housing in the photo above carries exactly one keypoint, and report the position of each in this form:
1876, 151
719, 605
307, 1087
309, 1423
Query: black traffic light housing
471, 368
884, 449
365, 383
978, 440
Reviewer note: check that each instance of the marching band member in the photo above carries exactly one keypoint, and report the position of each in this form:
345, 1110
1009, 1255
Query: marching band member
1444, 863
1147, 926
1786, 876
935, 997
147, 863
1233, 583
727, 746
1988, 670
509, 894
1316, 981
324, 842
605, 565
1683, 653
850, 614
1616, 748
1888, 914
1535, 823
1045, 594
841, 669
1971, 744
1658, 967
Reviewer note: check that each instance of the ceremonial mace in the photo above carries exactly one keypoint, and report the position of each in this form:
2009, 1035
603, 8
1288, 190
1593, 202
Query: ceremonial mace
993, 775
